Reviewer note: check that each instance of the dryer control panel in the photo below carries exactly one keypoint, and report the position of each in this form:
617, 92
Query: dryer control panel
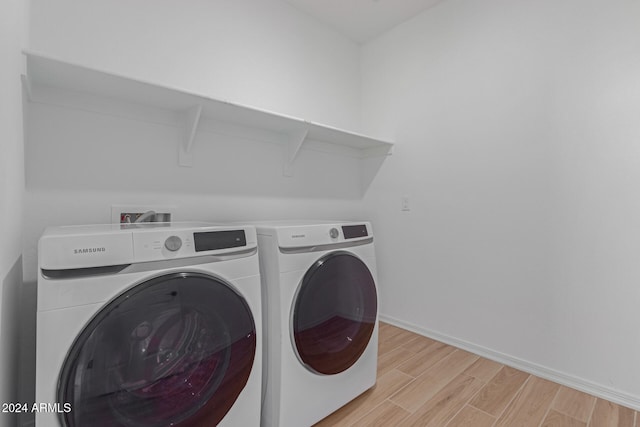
300, 236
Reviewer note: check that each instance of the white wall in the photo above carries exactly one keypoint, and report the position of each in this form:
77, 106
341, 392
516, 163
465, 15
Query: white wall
13, 31
255, 52
517, 127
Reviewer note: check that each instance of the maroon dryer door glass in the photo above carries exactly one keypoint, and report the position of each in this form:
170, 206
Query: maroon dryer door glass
334, 313
176, 350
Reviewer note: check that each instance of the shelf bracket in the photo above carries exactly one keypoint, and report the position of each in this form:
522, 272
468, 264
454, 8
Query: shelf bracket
192, 118
26, 78
296, 139
28, 87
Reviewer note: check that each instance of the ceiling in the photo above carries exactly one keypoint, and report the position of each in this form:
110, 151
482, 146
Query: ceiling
362, 20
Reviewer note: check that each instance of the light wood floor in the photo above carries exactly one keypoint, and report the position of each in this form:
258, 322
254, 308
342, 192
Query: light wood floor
422, 382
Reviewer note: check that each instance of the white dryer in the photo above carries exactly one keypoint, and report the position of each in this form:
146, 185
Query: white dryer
147, 326
320, 317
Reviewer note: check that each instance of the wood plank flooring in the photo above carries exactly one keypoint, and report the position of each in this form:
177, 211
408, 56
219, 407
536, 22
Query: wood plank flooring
422, 382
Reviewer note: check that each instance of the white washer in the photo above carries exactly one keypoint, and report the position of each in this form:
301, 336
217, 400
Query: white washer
151, 325
320, 317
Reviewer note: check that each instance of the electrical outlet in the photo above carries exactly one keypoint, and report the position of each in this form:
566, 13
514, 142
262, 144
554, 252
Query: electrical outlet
124, 214
405, 206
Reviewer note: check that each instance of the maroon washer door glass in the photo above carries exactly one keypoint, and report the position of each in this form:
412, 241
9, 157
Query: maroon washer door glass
334, 313
176, 350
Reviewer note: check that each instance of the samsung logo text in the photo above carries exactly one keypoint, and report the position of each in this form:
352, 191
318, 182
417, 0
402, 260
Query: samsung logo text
83, 251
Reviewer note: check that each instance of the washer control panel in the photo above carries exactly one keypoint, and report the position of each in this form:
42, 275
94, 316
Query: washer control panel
167, 244
88, 246
162, 245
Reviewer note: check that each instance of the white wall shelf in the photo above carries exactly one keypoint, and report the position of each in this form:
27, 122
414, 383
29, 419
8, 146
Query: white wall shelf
44, 76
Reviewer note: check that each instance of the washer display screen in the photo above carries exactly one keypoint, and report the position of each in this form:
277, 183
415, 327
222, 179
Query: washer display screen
174, 351
214, 240
334, 313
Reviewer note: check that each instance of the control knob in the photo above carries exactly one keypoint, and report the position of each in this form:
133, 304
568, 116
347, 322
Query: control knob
334, 233
173, 243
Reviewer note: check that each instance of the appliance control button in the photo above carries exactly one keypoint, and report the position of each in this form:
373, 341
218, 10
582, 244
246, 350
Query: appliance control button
173, 243
334, 233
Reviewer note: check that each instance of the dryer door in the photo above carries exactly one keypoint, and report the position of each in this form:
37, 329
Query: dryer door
175, 350
334, 313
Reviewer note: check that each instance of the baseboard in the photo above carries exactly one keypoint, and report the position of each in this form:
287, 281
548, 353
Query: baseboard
571, 381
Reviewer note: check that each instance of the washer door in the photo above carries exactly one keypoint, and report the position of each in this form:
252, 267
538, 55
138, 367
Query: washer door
334, 313
175, 350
